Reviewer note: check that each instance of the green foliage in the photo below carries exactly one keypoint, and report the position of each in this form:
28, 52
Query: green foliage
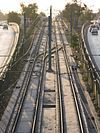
86, 16
76, 14
30, 10
14, 17
74, 40
72, 12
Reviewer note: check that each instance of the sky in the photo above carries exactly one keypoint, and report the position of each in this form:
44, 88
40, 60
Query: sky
43, 5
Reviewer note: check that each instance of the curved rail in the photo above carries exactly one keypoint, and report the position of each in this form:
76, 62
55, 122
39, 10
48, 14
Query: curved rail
84, 127
11, 127
91, 62
88, 124
37, 118
71, 81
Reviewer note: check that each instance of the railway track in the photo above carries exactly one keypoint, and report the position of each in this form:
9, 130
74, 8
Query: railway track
32, 69
48, 102
64, 73
86, 122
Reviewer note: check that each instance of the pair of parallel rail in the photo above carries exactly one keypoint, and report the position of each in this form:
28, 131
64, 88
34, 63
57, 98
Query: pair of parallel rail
37, 116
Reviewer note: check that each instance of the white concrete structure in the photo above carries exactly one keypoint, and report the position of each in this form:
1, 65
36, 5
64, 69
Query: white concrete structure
8, 42
94, 44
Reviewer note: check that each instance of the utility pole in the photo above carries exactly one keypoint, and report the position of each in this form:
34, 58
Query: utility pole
71, 24
24, 26
50, 38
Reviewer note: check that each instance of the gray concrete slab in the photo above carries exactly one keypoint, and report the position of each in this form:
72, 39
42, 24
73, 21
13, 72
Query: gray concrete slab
27, 116
49, 121
24, 127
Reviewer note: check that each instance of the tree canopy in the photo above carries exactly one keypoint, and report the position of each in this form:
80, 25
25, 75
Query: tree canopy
30, 10
13, 17
75, 13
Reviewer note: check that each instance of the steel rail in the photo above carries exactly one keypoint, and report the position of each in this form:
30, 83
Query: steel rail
24, 86
84, 103
37, 117
83, 121
59, 91
2, 72
52, 52
84, 108
76, 99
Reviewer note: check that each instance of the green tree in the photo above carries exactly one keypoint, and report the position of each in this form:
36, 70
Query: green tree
30, 11
75, 40
76, 14
13, 17
72, 12
87, 15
